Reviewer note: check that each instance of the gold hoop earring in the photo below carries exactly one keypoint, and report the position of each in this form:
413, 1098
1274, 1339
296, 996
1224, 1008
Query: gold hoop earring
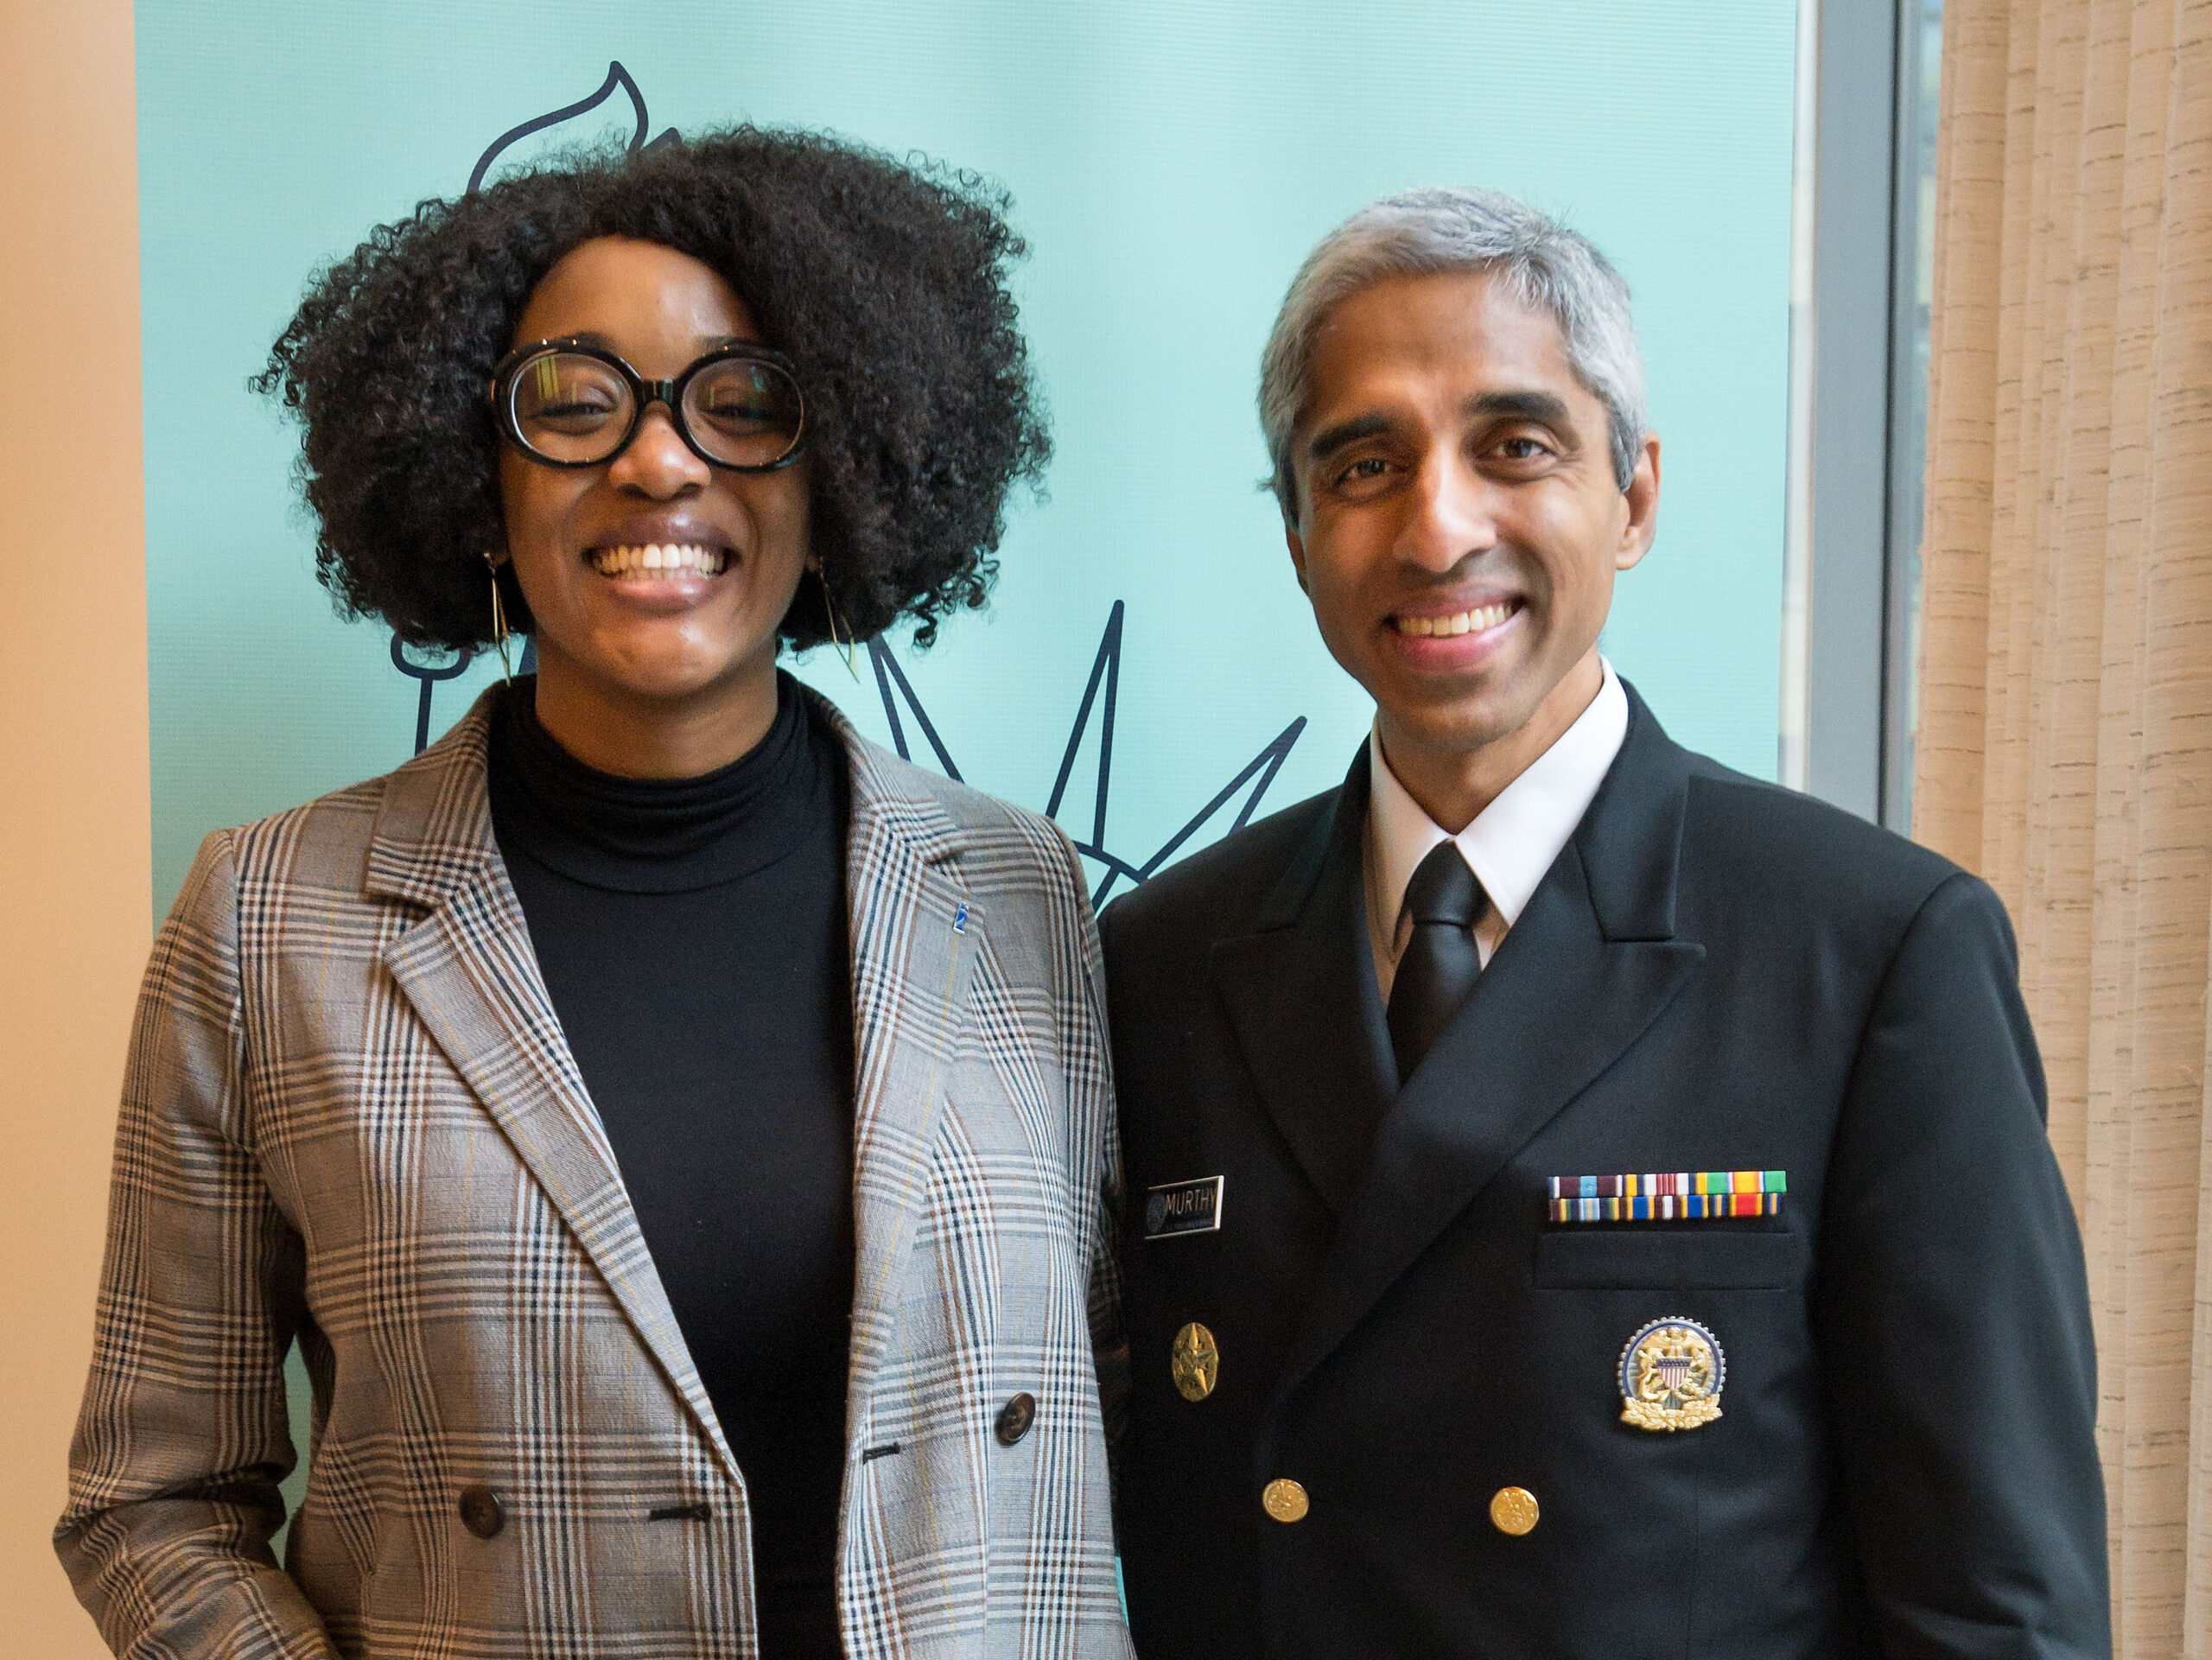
845, 645
499, 621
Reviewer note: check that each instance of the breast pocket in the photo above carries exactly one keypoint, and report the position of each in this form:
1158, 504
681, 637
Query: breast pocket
1628, 1260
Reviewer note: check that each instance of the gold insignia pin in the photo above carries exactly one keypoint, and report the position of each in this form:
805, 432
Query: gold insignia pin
1671, 1375
1195, 1362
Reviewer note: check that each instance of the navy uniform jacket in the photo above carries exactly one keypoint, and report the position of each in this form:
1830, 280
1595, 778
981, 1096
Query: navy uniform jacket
1716, 975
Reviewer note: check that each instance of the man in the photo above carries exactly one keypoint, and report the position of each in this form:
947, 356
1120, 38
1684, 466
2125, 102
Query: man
1583, 1201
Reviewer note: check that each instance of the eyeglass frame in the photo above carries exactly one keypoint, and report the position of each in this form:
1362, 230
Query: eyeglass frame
644, 394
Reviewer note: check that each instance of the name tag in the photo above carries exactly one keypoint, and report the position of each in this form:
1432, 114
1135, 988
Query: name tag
1181, 1207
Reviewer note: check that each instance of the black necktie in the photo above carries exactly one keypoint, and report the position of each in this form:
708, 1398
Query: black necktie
1440, 964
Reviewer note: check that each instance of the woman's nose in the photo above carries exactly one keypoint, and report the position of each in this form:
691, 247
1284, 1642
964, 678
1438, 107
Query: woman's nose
657, 460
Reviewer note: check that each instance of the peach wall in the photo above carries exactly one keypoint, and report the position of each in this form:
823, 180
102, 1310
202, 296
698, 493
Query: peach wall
75, 873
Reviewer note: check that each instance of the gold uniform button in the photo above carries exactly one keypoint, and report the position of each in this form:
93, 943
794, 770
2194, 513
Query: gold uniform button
1195, 1361
1285, 1500
1513, 1510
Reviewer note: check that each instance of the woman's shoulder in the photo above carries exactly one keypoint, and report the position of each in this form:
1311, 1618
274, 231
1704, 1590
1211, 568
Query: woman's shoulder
996, 843
437, 799
975, 815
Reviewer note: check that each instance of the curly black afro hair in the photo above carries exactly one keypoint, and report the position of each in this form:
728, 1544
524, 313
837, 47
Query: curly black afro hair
885, 282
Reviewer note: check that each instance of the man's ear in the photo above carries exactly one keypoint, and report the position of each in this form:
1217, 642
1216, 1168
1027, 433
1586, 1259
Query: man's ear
1296, 544
1643, 498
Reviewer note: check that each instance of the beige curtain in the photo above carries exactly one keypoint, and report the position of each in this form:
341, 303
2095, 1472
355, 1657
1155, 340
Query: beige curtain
2065, 741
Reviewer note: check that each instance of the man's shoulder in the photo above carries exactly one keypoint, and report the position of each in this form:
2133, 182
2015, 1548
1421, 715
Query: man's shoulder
1219, 890
1767, 843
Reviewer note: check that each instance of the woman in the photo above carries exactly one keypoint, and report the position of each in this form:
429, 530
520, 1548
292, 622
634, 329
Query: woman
677, 1132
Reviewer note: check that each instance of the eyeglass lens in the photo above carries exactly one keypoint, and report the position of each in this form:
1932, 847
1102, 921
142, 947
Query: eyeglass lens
577, 410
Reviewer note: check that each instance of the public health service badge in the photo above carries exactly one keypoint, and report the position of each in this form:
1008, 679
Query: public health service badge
1671, 1374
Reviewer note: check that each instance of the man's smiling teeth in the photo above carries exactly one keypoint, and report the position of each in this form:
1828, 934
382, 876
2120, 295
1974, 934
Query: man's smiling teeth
1463, 622
655, 559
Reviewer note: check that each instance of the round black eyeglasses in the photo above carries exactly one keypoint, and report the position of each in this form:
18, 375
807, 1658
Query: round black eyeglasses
564, 404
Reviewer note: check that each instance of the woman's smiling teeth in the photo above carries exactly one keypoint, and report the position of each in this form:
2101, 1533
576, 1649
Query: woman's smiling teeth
656, 560
1460, 622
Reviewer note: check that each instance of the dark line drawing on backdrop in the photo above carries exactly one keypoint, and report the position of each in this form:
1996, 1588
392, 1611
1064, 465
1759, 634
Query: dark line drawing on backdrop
1105, 667
616, 76
887, 671
891, 682
429, 674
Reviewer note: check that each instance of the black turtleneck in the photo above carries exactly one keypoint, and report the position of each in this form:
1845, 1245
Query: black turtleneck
692, 934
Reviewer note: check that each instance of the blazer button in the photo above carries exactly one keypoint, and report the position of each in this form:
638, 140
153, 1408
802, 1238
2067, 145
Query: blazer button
481, 1513
1513, 1510
1285, 1500
1015, 1417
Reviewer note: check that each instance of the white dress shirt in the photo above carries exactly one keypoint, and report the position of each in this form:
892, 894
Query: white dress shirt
1511, 842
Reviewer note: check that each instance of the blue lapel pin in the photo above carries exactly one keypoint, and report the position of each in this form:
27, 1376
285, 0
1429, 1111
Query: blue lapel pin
959, 920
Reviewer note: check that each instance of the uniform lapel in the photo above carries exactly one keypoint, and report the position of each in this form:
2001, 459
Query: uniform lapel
468, 970
916, 935
1589, 966
1301, 993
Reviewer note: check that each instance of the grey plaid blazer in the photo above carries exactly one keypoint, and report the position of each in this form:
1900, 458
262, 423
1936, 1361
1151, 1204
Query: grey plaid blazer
350, 1115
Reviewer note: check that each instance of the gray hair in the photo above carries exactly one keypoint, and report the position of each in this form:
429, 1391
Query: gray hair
1437, 229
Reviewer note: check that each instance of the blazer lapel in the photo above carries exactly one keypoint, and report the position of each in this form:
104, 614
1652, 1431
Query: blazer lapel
1589, 966
1301, 994
468, 970
916, 936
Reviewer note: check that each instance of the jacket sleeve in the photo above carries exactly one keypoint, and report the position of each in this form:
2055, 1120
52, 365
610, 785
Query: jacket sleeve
1953, 1316
182, 1437
1090, 1069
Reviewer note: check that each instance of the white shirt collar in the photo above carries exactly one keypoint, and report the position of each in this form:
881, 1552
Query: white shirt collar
1511, 842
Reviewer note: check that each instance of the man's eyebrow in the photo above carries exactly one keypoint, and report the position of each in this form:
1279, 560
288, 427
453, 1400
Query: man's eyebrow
1546, 407
1329, 440
1530, 404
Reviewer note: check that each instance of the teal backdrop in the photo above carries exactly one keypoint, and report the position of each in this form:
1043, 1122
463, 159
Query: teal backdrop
1170, 164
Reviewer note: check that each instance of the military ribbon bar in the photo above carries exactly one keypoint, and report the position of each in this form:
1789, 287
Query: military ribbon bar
1667, 1196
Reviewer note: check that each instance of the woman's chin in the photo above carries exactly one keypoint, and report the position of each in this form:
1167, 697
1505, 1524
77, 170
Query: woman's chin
674, 678
656, 660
